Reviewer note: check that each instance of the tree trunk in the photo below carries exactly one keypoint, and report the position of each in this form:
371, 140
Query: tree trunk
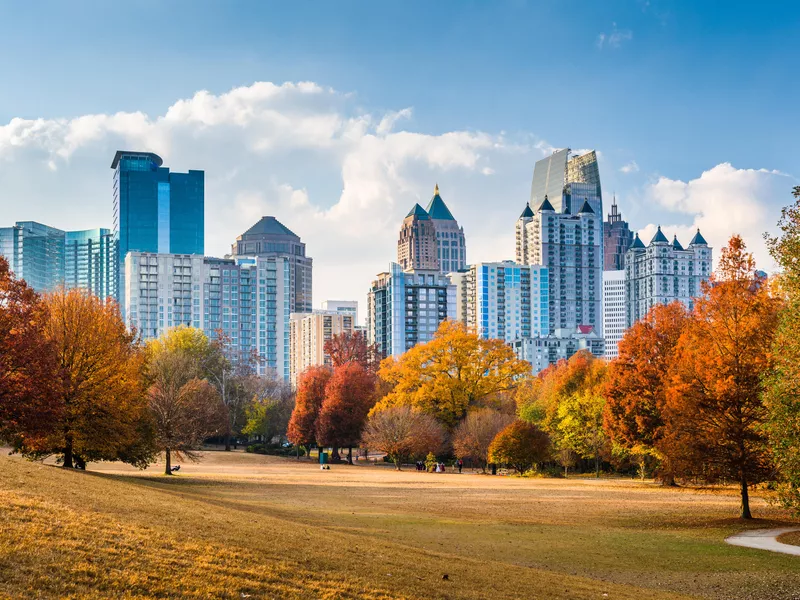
227, 441
168, 462
397, 463
350, 455
335, 454
745, 500
297, 447
597, 465
68, 464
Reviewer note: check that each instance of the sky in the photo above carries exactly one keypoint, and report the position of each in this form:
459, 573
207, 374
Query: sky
336, 117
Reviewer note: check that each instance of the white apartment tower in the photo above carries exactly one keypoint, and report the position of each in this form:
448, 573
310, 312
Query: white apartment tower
613, 311
308, 333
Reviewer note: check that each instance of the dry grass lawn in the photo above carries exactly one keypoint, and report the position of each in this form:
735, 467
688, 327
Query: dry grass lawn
792, 537
239, 526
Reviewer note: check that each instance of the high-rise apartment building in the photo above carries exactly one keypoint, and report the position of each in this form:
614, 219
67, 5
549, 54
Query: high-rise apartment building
663, 272
567, 181
617, 238
405, 308
613, 311
417, 246
35, 253
269, 238
503, 300
246, 299
544, 351
345, 307
451, 244
570, 247
308, 333
90, 262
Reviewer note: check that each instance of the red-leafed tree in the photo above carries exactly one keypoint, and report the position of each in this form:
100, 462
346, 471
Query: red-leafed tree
27, 363
350, 395
520, 445
302, 429
353, 347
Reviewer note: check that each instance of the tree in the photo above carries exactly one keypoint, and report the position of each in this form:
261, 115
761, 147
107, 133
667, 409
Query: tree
714, 412
270, 408
452, 373
353, 347
186, 409
782, 393
97, 388
520, 445
302, 429
27, 363
635, 391
581, 426
402, 433
474, 435
349, 396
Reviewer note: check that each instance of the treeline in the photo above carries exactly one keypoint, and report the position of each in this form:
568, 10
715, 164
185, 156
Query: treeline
75, 383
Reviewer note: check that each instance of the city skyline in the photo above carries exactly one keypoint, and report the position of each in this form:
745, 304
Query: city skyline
339, 156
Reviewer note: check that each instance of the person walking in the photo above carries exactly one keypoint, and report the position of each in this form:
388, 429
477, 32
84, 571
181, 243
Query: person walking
460, 464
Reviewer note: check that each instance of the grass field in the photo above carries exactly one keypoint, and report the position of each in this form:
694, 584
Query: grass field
239, 526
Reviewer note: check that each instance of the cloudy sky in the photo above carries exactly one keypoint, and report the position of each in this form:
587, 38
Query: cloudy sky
336, 117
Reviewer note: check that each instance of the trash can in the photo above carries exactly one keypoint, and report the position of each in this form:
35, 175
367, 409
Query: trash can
494, 469
323, 458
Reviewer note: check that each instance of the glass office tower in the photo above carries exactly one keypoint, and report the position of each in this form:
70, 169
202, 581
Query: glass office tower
35, 253
90, 261
155, 210
567, 181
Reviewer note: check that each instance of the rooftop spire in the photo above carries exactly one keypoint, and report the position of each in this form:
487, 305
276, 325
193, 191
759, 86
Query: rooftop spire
436, 190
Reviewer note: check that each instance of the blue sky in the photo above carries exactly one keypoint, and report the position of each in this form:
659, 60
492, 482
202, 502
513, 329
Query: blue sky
672, 90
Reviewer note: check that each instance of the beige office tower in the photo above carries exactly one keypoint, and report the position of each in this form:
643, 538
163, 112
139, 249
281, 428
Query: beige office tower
417, 247
308, 333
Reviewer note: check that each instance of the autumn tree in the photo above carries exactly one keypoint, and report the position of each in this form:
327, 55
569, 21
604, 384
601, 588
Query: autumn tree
402, 433
474, 435
186, 410
714, 412
580, 425
782, 394
27, 364
352, 347
520, 445
97, 387
349, 396
270, 407
452, 373
302, 429
636, 386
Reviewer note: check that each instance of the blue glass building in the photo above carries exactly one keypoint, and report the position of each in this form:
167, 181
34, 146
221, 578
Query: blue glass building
156, 210
35, 253
90, 261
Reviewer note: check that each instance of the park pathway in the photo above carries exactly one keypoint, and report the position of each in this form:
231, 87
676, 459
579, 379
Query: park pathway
765, 539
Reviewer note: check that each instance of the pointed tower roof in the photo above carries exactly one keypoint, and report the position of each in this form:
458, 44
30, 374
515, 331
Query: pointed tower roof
637, 243
527, 213
585, 208
698, 240
676, 244
418, 212
546, 205
659, 237
270, 226
437, 209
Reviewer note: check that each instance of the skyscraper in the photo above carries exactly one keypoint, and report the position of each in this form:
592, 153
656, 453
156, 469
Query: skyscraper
617, 238
346, 307
90, 261
613, 311
451, 243
663, 272
308, 333
269, 238
35, 253
155, 210
417, 246
567, 181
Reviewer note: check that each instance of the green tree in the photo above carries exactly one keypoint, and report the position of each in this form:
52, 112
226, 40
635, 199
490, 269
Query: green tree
580, 426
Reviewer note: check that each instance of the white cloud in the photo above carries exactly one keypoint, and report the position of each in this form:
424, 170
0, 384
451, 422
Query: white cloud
631, 167
614, 39
723, 201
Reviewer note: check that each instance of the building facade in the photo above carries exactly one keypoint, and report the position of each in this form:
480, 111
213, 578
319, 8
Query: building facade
544, 351
663, 272
451, 243
90, 262
567, 181
417, 245
503, 300
345, 307
613, 311
405, 308
247, 300
154, 210
269, 238
308, 333
617, 238
35, 253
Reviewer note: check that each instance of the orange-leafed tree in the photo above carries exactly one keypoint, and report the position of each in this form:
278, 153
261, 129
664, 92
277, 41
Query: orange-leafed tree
98, 385
474, 435
302, 430
352, 347
714, 413
349, 396
402, 433
26, 363
636, 384
452, 373
520, 445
